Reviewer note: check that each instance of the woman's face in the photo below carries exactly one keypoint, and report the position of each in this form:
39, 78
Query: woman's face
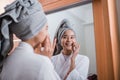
67, 40
43, 33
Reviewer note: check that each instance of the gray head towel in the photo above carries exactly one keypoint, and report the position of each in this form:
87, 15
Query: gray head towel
24, 18
63, 26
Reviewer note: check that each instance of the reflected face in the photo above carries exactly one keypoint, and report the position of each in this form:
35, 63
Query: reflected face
67, 40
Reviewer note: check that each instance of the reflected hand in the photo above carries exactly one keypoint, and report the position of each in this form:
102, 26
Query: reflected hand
75, 48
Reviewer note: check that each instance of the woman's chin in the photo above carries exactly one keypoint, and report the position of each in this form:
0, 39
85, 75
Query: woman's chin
69, 49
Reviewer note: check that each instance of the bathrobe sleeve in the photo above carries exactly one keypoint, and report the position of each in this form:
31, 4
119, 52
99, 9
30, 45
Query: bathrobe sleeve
81, 70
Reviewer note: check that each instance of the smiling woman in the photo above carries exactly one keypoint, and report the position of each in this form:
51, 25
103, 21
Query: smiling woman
67, 62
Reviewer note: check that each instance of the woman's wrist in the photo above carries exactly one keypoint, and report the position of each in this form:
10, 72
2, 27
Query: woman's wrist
72, 66
72, 59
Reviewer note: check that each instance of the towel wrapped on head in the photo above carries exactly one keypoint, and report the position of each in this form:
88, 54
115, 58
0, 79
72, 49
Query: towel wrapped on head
24, 18
63, 26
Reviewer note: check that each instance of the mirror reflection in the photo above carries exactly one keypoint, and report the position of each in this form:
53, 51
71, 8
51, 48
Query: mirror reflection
81, 20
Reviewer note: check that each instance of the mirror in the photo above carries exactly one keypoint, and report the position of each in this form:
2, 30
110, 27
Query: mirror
81, 19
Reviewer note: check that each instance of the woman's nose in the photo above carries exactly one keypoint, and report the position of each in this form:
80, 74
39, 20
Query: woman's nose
68, 39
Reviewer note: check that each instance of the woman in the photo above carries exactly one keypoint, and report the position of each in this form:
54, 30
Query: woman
26, 19
68, 63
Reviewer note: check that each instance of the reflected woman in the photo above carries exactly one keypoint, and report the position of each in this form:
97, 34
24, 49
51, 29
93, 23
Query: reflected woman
67, 62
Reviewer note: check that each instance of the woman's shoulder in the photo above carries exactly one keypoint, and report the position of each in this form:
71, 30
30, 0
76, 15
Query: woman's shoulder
83, 57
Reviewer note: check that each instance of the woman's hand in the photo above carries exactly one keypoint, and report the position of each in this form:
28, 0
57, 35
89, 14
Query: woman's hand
76, 48
47, 47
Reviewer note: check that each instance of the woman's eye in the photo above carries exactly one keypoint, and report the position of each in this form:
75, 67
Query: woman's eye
64, 37
72, 37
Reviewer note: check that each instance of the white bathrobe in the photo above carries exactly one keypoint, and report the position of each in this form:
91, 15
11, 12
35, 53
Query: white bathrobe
24, 64
62, 64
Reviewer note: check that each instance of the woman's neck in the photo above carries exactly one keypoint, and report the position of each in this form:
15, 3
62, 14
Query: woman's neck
66, 52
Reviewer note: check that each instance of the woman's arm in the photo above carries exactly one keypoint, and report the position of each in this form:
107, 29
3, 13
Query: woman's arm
81, 70
76, 48
72, 67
